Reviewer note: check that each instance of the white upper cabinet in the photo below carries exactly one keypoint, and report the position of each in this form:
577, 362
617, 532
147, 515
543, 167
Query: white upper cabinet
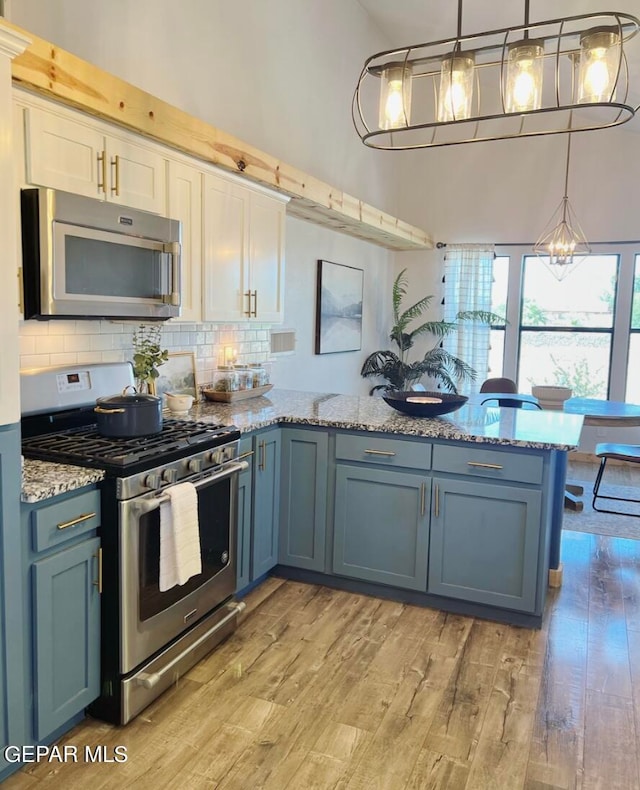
185, 204
243, 252
63, 151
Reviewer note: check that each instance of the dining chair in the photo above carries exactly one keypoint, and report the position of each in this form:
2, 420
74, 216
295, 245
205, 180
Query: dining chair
620, 452
498, 385
518, 403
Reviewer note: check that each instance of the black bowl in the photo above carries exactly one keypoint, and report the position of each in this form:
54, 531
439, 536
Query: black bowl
414, 408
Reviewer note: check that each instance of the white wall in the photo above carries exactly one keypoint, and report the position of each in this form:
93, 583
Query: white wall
280, 76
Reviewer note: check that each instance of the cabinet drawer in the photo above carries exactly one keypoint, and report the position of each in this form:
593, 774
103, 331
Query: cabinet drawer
53, 524
495, 464
390, 452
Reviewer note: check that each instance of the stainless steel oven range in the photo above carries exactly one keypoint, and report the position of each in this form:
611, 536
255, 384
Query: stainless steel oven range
149, 637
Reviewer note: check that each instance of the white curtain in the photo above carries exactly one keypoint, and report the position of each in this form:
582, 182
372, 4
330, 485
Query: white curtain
468, 275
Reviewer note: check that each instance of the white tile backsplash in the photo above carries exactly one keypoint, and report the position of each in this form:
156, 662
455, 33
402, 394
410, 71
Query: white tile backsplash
55, 342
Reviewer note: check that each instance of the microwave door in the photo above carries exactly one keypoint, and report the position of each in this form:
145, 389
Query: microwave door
101, 273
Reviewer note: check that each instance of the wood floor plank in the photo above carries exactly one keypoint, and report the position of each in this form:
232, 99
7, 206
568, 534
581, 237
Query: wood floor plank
434, 771
397, 735
610, 738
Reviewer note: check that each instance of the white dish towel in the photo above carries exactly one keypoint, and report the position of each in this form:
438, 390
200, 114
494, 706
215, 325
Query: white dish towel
179, 536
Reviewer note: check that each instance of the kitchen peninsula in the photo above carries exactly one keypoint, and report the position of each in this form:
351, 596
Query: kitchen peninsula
460, 512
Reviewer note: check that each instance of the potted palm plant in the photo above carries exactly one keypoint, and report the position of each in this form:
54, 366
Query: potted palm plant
437, 363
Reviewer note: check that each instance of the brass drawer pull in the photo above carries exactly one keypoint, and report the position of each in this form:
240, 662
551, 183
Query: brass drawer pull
485, 466
436, 511
380, 452
255, 304
248, 312
98, 583
423, 487
262, 460
74, 521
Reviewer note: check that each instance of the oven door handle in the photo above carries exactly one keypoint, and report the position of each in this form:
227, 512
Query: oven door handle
147, 505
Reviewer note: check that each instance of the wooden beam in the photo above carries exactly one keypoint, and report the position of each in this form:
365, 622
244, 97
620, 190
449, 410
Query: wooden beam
60, 75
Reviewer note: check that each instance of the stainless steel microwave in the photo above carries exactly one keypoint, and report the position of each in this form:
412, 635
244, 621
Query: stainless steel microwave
83, 258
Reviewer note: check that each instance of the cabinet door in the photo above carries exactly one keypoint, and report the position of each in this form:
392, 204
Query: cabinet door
226, 274
381, 526
303, 490
136, 176
266, 502
266, 258
13, 691
484, 543
63, 154
243, 542
185, 204
66, 634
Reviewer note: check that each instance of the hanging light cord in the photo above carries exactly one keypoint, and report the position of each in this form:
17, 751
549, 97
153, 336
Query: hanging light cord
566, 172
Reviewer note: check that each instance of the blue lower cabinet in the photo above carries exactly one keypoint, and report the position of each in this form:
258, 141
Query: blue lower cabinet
303, 498
61, 582
381, 526
243, 538
13, 690
266, 511
484, 543
66, 636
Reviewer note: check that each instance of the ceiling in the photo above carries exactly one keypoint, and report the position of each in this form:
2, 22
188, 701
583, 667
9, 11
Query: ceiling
406, 22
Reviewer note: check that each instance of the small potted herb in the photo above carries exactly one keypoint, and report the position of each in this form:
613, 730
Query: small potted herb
147, 356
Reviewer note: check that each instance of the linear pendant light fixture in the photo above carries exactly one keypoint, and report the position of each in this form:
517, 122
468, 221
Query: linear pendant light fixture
521, 81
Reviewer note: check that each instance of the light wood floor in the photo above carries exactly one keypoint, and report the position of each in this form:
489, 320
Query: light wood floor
326, 689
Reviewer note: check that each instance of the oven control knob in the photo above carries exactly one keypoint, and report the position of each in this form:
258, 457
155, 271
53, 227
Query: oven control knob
228, 452
170, 475
215, 457
194, 465
153, 481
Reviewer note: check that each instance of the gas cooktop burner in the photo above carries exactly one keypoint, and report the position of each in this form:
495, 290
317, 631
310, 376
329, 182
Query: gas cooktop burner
84, 446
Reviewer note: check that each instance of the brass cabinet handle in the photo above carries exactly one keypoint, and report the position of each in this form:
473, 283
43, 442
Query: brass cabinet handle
102, 170
98, 583
255, 304
20, 290
245, 455
262, 462
423, 487
485, 466
77, 520
248, 312
115, 162
380, 452
436, 501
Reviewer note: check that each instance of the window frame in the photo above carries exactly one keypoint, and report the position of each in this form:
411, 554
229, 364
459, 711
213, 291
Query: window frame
620, 330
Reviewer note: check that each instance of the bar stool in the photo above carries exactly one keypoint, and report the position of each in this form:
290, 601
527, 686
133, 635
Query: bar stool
620, 452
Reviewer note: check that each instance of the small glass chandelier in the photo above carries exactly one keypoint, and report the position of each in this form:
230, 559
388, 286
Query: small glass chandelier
533, 76
562, 245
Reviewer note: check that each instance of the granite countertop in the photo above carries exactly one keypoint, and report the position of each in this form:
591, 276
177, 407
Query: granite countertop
550, 430
42, 479
509, 427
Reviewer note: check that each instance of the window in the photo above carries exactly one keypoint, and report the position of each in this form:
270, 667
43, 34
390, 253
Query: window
566, 328
499, 307
633, 357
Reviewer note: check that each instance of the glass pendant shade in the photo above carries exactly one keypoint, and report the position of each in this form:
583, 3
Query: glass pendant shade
395, 97
524, 76
599, 65
456, 87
